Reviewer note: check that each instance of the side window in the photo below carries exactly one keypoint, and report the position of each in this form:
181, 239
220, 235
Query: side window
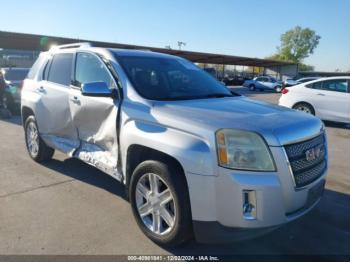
90, 68
317, 85
259, 79
36, 66
46, 70
340, 85
61, 69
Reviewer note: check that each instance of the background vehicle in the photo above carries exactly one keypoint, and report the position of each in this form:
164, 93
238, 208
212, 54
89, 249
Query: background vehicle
211, 71
12, 97
264, 82
292, 82
234, 81
135, 116
327, 98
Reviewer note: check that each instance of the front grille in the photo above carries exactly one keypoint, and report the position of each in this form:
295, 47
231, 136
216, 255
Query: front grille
307, 169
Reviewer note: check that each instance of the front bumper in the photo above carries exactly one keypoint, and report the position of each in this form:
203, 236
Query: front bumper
217, 201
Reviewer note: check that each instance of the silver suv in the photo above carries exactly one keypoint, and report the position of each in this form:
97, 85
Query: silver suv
196, 159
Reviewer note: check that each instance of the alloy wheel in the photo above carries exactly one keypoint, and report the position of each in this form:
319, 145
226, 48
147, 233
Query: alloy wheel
32, 136
304, 109
155, 204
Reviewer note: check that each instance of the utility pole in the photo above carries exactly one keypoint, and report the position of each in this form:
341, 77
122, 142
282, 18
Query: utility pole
180, 44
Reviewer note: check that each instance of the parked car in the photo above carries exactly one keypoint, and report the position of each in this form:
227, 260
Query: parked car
211, 71
12, 97
264, 82
292, 82
234, 81
195, 158
327, 98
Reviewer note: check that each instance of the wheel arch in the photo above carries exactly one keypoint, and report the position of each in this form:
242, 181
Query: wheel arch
136, 154
26, 112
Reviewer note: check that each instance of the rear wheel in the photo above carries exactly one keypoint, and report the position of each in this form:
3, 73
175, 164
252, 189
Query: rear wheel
36, 147
304, 107
160, 204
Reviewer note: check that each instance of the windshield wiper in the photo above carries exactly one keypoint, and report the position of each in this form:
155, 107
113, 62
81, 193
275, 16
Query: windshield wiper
216, 95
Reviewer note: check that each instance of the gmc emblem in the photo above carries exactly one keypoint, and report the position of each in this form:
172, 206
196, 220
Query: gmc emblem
314, 153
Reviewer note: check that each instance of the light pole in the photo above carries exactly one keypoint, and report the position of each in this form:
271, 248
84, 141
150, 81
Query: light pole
180, 44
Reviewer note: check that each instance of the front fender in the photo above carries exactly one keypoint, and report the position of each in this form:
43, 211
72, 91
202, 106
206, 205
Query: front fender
192, 152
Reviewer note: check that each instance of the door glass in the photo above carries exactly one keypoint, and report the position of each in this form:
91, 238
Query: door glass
340, 85
317, 85
89, 69
36, 67
61, 69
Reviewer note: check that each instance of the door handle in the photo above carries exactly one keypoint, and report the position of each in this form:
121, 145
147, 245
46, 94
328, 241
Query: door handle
41, 89
75, 100
320, 94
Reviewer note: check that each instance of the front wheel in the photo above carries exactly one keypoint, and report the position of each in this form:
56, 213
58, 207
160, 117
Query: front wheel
278, 89
160, 203
36, 147
9, 104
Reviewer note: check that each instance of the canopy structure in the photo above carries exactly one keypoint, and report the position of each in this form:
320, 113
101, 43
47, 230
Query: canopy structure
20, 41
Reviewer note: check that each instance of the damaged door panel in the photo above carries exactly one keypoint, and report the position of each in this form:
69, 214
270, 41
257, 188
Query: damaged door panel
95, 118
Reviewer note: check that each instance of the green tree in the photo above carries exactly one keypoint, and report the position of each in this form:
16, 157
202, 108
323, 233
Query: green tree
304, 67
296, 45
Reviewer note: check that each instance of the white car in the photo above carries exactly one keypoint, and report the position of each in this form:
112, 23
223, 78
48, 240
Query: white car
292, 82
327, 98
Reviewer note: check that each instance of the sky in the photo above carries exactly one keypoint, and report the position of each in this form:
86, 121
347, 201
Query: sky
249, 28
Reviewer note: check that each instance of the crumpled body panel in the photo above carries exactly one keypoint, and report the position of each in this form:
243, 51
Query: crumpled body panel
95, 119
65, 145
99, 158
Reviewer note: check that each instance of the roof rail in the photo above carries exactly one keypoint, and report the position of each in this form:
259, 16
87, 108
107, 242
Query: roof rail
73, 45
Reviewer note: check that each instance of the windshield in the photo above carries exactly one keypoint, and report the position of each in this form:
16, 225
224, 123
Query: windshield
170, 79
16, 74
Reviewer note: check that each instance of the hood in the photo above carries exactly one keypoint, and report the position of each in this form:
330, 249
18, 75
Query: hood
278, 125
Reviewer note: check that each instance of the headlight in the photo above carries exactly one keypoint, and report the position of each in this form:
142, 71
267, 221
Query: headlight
243, 150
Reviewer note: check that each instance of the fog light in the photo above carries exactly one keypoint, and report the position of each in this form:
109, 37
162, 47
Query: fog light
249, 205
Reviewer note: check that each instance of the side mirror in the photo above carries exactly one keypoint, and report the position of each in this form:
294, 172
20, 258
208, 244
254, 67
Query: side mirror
97, 89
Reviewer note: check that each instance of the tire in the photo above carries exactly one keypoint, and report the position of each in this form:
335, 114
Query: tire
278, 89
170, 177
304, 107
36, 147
252, 87
10, 105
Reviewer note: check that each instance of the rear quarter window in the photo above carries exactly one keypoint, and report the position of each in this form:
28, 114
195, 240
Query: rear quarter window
317, 85
36, 67
61, 69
